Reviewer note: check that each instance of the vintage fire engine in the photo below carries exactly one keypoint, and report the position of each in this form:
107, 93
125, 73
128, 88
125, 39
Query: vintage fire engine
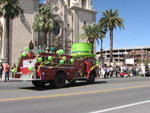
55, 69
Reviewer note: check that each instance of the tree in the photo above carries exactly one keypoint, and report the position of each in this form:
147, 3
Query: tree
44, 21
101, 35
9, 9
110, 21
90, 32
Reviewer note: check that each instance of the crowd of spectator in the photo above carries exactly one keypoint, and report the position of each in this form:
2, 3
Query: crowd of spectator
119, 71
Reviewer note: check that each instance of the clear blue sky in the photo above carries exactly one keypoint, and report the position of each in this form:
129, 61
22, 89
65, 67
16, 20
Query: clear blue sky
136, 14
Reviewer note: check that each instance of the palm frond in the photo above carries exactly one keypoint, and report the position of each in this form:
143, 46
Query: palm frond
111, 20
10, 9
44, 21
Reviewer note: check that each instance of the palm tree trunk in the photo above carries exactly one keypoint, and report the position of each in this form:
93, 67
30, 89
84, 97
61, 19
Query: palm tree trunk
101, 47
48, 40
45, 39
92, 42
111, 46
92, 47
1, 35
101, 57
5, 41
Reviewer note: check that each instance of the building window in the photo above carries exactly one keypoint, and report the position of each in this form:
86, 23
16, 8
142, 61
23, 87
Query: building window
84, 2
84, 23
68, 3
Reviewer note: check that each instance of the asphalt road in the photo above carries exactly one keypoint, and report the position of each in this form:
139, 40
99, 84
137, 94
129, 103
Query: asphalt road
115, 95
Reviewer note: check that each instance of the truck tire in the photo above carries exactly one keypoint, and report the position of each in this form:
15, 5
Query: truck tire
91, 79
38, 84
52, 83
72, 82
60, 80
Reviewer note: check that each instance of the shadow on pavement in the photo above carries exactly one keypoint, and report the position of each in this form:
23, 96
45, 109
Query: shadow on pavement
49, 87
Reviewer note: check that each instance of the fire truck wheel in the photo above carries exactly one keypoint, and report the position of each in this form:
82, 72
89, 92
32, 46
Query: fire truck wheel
91, 79
72, 82
60, 80
38, 84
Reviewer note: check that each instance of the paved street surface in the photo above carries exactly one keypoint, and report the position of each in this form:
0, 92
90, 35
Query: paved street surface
115, 95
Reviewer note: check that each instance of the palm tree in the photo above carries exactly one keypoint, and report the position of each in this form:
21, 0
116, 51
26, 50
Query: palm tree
100, 36
110, 21
9, 9
44, 21
90, 32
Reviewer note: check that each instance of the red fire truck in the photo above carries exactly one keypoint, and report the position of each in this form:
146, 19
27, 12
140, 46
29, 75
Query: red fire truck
54, 73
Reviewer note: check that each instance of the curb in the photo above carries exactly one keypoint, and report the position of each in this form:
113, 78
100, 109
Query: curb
10, 80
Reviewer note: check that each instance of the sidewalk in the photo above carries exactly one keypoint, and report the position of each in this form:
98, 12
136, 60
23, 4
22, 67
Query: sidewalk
10, 80
2, 78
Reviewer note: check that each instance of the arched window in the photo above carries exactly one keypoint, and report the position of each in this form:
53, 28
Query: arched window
84, 3
84, 23
68, 3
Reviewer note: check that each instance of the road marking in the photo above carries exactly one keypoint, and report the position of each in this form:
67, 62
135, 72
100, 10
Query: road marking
71, 94
121, 107
114, 84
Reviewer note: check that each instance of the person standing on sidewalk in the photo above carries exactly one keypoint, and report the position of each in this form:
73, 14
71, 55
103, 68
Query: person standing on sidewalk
6, 71
1, 70
106, 75
13, 67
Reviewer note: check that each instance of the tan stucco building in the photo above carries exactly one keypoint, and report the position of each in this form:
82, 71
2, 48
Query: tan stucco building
72, 16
